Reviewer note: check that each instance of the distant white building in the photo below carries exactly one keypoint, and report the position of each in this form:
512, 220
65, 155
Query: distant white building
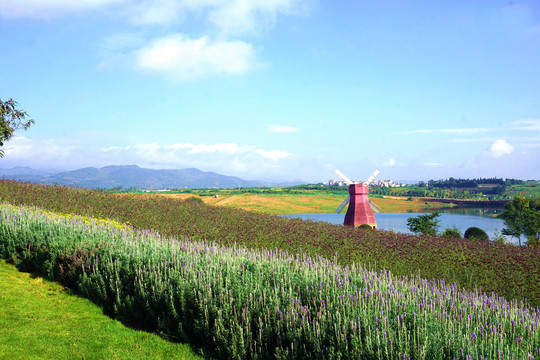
386, 183
378, 183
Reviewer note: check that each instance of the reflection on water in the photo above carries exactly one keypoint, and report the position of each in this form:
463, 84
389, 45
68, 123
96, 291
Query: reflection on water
472, 211
460, 218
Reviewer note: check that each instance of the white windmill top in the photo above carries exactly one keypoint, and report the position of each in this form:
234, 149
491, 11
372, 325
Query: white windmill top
350, 182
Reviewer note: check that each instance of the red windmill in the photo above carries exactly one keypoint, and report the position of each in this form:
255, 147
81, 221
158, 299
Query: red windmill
359, 211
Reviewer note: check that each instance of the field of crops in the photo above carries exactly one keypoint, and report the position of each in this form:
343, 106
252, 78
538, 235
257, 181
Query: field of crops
305, 203
249, 285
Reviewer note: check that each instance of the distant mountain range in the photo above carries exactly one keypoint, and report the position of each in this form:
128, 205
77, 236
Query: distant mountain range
132, 176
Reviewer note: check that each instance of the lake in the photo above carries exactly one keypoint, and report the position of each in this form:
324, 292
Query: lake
462, 219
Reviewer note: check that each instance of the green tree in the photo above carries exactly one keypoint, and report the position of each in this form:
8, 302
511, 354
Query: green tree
532, 227
11, 119
520, 219
427, 224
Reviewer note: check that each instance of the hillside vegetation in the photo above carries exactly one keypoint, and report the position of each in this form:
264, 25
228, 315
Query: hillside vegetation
240, 303
507, 270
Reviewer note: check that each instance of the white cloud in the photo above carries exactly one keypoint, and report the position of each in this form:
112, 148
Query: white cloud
241, 16
111, 148
189, 59
84, 150
17, 145
499, 148
444, 131
527, 124
230, 17
223, 158
432, 164
390, 162
157, 12
49, 8
175, 55
534, 144
281, 128
227, 16
273, 154
228, 148
24, 150
472, 140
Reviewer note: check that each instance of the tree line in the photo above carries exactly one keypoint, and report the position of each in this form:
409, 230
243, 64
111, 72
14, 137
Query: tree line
472, 183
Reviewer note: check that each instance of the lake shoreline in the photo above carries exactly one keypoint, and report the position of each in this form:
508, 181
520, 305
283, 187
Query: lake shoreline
462, 219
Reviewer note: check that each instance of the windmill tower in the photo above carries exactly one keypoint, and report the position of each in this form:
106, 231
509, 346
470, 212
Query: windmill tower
360, 207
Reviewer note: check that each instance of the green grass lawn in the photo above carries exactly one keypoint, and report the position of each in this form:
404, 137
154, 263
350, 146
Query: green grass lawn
40, 319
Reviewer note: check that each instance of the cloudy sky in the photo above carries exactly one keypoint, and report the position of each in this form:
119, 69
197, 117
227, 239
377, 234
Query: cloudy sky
276, 89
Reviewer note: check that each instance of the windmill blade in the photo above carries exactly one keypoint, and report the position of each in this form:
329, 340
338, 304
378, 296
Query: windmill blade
345, 178
374, 207
343, 204
369, 179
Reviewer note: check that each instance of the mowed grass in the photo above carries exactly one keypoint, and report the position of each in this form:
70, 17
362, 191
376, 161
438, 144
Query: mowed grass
298, 204
40, 319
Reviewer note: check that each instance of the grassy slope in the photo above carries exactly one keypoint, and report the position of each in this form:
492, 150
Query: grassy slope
40, 319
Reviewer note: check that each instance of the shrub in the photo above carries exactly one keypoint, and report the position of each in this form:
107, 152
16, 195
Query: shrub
451, 232
195, 200
475, 233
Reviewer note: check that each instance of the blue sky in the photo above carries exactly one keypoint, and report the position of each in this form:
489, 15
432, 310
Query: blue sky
276, 89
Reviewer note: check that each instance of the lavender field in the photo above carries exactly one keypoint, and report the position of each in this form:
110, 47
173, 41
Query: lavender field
242, 303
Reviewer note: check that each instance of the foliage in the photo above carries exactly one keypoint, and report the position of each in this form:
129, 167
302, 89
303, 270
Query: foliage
472, 183
424, 224
239, 303
499, 237
530, 190
520, 218
451, 232
195, 200
11, 119
475, 233
509, 271
499, 190
40, 319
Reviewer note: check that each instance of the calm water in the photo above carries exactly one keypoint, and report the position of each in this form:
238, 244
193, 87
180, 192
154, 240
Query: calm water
460, 218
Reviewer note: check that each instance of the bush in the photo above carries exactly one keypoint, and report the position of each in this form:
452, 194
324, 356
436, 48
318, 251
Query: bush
475, 233
451, 232
195, 200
